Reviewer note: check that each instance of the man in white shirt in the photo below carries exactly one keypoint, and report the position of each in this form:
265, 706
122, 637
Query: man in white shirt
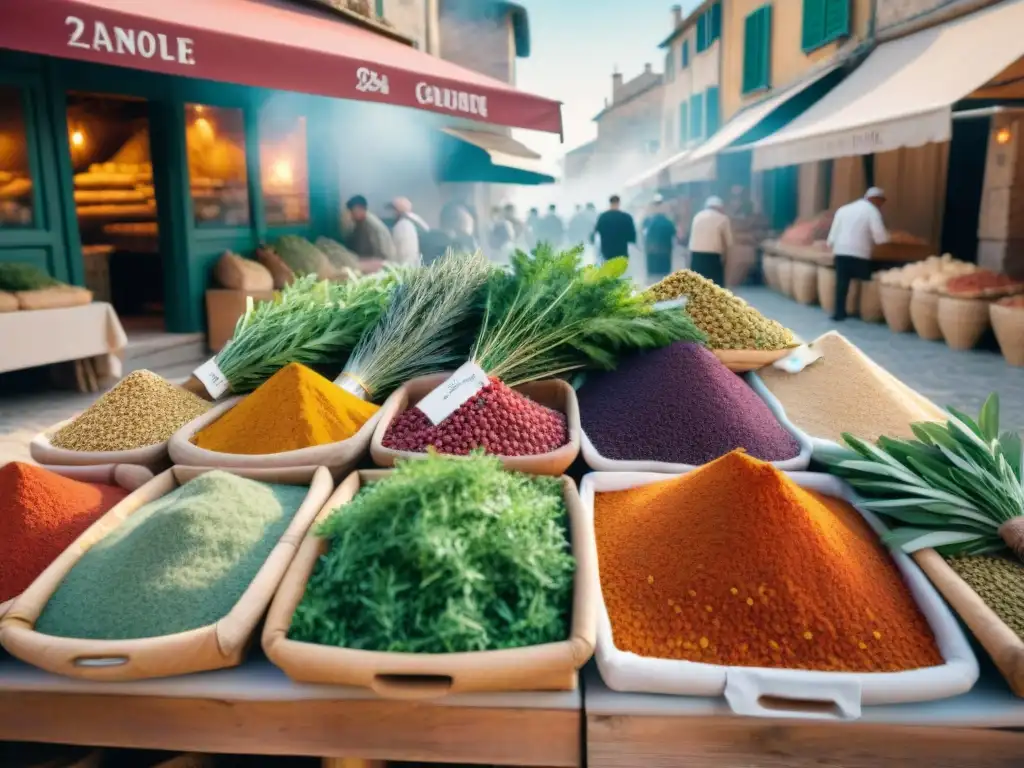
856, 229
406, 232
710, 240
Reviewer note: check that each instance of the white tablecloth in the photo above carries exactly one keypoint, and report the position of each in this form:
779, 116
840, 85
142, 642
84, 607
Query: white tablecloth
45, 336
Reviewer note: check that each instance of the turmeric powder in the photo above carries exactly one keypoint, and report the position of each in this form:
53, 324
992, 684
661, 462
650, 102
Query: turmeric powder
295, 408
735, 564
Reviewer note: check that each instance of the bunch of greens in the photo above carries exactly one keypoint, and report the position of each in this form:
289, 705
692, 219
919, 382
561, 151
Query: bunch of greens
550, 315
424, 329
311, 321
958, 488
443, 556
17, 276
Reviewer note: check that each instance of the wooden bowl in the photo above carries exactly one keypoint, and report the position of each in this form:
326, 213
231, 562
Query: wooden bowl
744, 360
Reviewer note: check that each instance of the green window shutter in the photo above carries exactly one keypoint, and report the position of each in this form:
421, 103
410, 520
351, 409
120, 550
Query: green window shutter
712, 108
380, 9
684, 123
697, 116
702, 31
684, 61
757, 49
715, 25
837, 19
813, 30
766, 46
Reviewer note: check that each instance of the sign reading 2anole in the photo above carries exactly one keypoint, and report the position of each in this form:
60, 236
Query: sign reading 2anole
123, 41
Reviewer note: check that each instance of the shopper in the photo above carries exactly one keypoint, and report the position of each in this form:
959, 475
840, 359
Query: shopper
856, 229
534, 228
369, 236
615, 229
659, 237
579, 227
710, 240
406, 231
552, 229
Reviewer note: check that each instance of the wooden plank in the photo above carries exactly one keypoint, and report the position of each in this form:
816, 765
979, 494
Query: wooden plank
615, 741
368, 729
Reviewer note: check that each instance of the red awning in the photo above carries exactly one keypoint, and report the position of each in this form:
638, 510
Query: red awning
267, 44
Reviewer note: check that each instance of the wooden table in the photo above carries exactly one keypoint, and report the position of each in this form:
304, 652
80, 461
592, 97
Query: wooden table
969, 731
255, 709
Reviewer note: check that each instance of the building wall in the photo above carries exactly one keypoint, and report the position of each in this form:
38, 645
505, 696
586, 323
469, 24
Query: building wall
408, 17
789, 62
900, 16
479, 40
702, 72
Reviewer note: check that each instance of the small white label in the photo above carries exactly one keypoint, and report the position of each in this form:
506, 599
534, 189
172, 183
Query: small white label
445, 399
213, 378
798, 359
679, 303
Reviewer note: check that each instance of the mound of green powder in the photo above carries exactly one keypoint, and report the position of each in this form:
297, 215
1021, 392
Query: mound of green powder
179, 563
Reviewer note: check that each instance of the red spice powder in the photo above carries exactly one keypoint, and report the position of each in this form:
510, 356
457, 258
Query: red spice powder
41, 514
735, 564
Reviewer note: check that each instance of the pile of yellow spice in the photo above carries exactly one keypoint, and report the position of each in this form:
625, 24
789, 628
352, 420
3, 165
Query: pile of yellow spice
293, 409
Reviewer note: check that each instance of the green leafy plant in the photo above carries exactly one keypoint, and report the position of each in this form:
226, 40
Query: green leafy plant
17, 276
442, 556
549, 315
311, 321
958, 488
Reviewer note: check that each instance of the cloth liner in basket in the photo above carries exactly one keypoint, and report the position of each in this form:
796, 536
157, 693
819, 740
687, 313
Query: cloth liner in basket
802, 460
153, 457
552, 666
338, 457
744, 687
553, 393
127, 476
214, 646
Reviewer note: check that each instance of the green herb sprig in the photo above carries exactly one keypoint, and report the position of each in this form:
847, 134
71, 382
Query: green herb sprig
443, 556
958, 488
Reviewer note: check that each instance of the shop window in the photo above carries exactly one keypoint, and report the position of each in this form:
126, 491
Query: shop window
215, 139
757, 50
284, 171
824, 21
15, 173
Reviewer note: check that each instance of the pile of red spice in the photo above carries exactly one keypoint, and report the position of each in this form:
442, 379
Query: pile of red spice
41, 514
497, 419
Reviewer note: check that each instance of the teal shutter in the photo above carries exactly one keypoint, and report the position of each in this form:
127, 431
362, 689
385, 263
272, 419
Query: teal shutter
813, 30
715, 24
684, 123
684, 61
712, 108
837, 19
380, 9
766, 46
757, 49
702, 32
697, 116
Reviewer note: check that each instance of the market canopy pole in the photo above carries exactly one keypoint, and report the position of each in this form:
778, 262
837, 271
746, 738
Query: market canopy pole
266, 44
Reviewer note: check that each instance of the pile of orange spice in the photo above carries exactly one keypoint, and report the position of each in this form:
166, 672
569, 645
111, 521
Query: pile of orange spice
735, 564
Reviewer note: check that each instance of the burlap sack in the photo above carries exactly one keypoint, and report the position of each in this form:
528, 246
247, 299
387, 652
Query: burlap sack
232, 271
54, 298
8, 302
281, 272
153, 457
554, 393
962, 321
1008, 324
870, 302
215, 646
126, 476
896, 307
338, 457
409, 675
924, 315
805, 282
784, 275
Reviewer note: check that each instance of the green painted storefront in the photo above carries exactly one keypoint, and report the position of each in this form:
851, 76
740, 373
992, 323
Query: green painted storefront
188, 251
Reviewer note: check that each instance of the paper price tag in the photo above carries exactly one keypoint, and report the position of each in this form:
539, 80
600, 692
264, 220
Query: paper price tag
679, 303
213, 378
798, 359
445, 399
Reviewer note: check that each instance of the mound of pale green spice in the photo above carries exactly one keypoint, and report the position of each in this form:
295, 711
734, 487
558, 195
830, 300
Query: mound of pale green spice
179, 563
444, 555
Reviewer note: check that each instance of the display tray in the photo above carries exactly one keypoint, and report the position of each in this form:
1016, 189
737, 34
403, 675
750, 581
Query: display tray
256, 709
790, 693
152, 457
745, 360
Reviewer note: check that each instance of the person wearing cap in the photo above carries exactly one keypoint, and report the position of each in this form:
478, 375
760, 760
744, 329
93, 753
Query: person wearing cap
857, 228
406, 231
710, 240
659, 237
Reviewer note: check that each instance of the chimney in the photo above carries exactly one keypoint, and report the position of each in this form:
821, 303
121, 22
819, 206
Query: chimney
677, 16
647, 69
616, 84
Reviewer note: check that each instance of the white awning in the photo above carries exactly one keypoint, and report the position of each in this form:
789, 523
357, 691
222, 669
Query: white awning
503, 150
700, 165
903, 93
649, 178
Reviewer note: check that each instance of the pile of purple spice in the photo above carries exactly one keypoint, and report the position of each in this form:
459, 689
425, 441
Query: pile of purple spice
680, 405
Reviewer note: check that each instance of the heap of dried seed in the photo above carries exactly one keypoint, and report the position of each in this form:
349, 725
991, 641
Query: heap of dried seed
728, 321
999, 582
143, 409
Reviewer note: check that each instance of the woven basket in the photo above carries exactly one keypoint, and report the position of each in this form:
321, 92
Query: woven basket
962, 321
784, 275
895, 307
870, 302
769, 269
924, 315
1008, 323
827, 292
805, 282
